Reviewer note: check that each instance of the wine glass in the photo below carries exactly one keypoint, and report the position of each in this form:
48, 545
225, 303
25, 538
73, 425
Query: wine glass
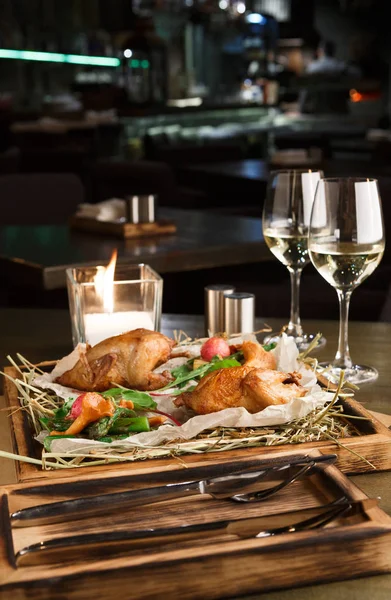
346, 244
285, 221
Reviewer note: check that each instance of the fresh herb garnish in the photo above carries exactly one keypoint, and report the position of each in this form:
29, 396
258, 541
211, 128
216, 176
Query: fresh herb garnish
141, 400
236, 355
199, 372
133, 425
182, 370
269, 347
213, 365
227, 363
62, 412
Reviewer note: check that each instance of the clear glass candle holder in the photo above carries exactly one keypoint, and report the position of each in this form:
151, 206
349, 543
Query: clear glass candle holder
100, 308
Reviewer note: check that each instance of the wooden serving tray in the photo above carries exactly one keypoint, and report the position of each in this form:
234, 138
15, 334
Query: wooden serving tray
122, 230
201, 569
373, 444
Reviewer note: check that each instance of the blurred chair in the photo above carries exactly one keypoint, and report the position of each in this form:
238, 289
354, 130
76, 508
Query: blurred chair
109, 139
117, 179
40, 199
9, 161
55, 160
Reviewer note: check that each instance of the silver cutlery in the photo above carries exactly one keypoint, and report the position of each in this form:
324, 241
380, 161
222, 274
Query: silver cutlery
228, 486
72, 547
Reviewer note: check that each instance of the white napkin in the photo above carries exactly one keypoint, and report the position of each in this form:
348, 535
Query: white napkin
108, 210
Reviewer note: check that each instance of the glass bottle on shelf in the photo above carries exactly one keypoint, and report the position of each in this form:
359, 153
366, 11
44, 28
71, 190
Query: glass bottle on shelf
145, 64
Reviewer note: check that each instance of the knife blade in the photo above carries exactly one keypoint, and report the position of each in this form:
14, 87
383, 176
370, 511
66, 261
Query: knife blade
111, 542
102, 486
218, 487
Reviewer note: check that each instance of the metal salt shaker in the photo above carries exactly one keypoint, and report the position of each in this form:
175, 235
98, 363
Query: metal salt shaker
214, 307
141, 209
239, 313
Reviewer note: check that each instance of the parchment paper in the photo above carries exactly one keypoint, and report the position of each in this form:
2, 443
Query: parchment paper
286, 356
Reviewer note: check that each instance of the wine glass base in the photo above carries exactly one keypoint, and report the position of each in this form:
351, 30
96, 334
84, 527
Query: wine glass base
357, 374
302, 342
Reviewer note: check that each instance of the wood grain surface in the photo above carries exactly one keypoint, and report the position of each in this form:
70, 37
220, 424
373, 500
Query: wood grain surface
369, 450
38, 255
40, 334
344, 549
123, 230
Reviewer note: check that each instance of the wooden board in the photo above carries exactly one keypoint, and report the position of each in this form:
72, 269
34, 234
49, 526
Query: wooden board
123, 230
373, 444
201, 569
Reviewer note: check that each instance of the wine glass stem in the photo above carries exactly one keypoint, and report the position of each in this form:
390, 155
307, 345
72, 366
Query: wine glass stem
294, 326
342, 358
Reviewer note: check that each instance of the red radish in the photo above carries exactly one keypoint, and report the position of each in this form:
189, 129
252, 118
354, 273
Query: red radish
215, 346
76, 407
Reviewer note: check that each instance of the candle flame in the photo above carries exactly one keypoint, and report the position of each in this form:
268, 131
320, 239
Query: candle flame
104, 283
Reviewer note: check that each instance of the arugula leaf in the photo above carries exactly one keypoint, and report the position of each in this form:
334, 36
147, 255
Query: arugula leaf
60, 425
45, 422
213, 365
181, 371
199, 372
141, 400
226, 363
113, 392
269, 347
236, 355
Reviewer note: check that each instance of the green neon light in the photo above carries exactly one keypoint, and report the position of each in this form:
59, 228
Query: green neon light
144, 64
99, 61
76, 59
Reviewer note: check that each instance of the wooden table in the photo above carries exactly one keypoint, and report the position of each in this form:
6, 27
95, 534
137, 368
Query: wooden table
38, 255
46, 334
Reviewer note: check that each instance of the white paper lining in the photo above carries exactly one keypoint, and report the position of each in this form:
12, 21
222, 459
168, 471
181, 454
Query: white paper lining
286, 356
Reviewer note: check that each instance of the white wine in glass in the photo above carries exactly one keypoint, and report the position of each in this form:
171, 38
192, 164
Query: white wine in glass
346, 244
285, 221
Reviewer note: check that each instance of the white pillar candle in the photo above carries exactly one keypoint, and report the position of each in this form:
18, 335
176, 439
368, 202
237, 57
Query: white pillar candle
100, 326
368, 212
309, 181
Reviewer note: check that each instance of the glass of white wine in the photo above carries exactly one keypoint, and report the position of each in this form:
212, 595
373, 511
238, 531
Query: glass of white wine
346, 244
285, 222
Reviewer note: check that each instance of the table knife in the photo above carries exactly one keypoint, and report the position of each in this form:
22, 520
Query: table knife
218, 487
111, 542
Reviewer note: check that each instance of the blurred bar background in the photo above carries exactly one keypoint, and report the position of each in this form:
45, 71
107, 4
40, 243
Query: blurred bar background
195, 101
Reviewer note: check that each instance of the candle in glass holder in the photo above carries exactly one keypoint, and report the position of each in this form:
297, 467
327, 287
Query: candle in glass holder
102, 306
100, 326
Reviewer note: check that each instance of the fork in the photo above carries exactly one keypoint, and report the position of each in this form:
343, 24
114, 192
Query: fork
263, 494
